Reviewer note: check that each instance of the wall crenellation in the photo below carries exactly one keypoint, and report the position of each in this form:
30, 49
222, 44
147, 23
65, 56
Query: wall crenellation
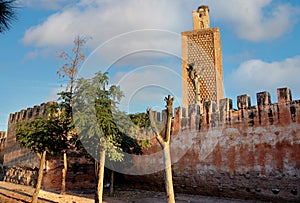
207, 115
228, 150
264, 113
250, 152
29, 113
13, 153
3, 136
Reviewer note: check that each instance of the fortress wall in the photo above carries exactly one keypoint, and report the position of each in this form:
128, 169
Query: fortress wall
252, 152
249, 152
3, 136
80, 175
14, 155
22, 164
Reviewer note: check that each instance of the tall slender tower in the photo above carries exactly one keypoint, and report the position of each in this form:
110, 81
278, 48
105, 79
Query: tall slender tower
202, 73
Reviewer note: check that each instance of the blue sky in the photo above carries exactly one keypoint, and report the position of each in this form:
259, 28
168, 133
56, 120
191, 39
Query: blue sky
138, 42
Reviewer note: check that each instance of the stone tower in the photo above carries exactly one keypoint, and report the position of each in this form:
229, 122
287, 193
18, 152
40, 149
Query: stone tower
201, 18
202, 73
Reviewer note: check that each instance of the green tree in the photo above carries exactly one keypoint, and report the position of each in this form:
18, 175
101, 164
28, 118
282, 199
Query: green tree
100, 121
62, 115
7, 14
129, 141
95, 103
164, 141
41, 136
142, 124
69, 71
140, 119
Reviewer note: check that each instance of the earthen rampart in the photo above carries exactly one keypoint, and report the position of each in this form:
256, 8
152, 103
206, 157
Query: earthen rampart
3, 136
249, 152
22, 164
14, 155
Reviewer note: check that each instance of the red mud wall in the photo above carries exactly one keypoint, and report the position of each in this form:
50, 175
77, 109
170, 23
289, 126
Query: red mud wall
14, 155
3, 136
252, 152
80, 174
21, 162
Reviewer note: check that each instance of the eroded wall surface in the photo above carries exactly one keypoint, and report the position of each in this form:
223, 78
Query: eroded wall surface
249, 152
252, 152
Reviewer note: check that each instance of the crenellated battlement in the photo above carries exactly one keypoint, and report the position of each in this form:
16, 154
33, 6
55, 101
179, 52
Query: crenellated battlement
284, 112
231, 148
13, 153
249, 152
29, 113
3, 135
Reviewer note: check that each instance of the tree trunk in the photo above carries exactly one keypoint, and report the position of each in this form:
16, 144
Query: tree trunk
168, 174
164, 141
100, 177
40, 178
96, 181
111, 186
64, 175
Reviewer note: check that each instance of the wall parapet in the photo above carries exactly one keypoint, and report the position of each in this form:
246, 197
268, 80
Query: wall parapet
284, 112
251, 152
29, 113
255, 155
3, 136
13, 154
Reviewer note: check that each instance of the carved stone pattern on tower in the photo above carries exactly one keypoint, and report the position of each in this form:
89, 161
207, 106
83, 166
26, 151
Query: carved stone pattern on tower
201, 53
201, 49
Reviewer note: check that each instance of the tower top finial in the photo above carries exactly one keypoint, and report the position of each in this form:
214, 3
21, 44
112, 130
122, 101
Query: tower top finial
201, 18
204, 7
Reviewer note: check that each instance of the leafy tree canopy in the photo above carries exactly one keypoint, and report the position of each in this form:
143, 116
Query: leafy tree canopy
95, 103
40, 135
140, 119
62, 115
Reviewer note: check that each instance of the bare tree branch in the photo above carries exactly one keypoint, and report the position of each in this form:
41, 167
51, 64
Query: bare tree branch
159, 138
169, 100
164, 142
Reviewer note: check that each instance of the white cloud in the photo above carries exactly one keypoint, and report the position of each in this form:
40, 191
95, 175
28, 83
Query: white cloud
103, 20
256, 75
55, 31
255, 20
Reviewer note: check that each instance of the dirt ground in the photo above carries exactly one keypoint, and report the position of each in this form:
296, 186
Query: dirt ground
12, 193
